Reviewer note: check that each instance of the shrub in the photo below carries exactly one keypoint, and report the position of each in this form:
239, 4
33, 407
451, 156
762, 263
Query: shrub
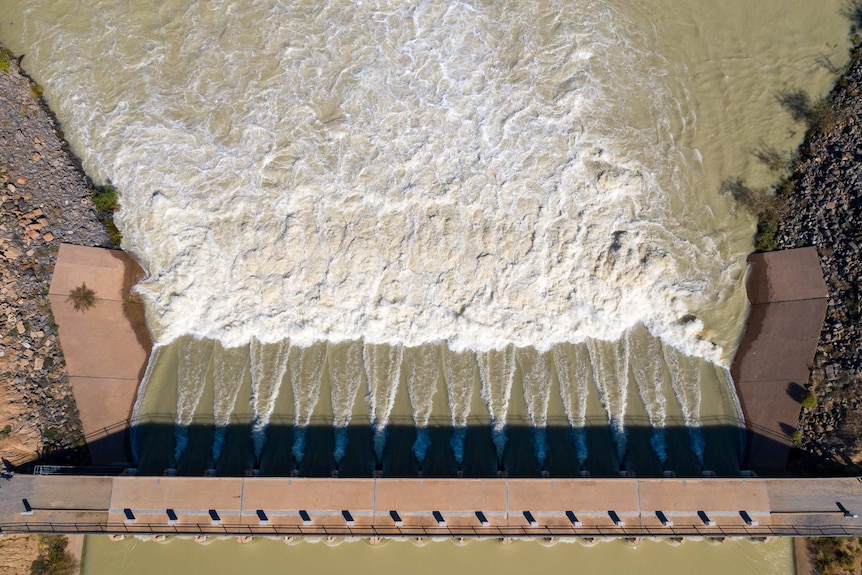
112, 230
5, 58
82, 298
769, 208
809, 400
771, 158
6, 431
835, 555
105, 199
796, 437
53, 558
818, 115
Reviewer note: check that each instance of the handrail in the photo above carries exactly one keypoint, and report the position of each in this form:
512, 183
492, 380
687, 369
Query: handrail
547, 531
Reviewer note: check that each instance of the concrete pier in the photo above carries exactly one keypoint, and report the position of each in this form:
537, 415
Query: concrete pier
773, 363
106, 347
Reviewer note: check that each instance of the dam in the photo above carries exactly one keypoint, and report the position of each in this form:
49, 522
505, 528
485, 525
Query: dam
68, 500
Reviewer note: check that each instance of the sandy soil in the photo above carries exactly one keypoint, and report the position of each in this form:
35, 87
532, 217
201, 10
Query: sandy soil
18, 553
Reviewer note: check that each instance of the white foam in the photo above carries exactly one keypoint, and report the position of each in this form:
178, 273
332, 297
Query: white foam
404, 173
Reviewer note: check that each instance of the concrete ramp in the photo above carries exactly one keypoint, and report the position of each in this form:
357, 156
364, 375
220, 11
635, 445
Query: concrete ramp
773, 363
106, 346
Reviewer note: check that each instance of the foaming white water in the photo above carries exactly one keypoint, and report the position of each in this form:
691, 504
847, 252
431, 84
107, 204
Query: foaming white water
383, 370
536, 381
646, 362
345, 378
230, 368
459, 372
497, 373
610, 364
574, 372
306, 369
685, 377
268, 363
400, 173
193, 372
142, 403
423, 371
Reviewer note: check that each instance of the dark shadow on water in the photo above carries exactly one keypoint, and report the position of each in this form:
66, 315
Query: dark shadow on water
156, 443
310, 452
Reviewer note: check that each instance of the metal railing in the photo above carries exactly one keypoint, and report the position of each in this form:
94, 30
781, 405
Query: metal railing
478, 532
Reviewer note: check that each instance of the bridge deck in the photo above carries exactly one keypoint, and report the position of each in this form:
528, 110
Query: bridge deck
471, 507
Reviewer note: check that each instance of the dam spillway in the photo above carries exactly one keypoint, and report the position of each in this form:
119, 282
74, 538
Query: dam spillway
346, 445
404, 412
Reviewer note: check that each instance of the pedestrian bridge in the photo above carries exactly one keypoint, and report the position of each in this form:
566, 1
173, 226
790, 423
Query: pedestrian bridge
384, 507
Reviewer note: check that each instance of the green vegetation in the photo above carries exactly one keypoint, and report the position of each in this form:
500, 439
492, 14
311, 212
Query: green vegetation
836, 556
6, 431
809, 400
82, 298
796, 437
105, 199
53, 558
112, 230
5, 58
36, 91
852, 10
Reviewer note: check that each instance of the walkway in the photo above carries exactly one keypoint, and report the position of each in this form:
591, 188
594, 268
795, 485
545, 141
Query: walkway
106, 346
427, 507
788, 304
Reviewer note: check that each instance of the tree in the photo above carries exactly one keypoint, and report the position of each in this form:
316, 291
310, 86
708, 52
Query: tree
82, 298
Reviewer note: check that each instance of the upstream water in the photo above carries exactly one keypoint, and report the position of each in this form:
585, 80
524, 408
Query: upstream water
385, 220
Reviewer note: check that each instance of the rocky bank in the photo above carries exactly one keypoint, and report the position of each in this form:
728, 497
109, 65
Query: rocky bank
44, 200
824, 209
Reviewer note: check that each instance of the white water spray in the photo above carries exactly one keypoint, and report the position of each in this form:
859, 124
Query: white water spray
574, 372
230, 368
268, 365
345, 378
609, 360
192, 374
646, 362
497, 373
685, 377
459, 372
383, 370
306, 369
536, 378
423, 371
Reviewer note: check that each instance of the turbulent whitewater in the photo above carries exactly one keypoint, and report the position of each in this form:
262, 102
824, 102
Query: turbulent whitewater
373, 227
401, 173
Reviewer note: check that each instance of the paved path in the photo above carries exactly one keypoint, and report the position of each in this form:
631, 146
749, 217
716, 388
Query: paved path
788, 303
406, 507
106, 346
